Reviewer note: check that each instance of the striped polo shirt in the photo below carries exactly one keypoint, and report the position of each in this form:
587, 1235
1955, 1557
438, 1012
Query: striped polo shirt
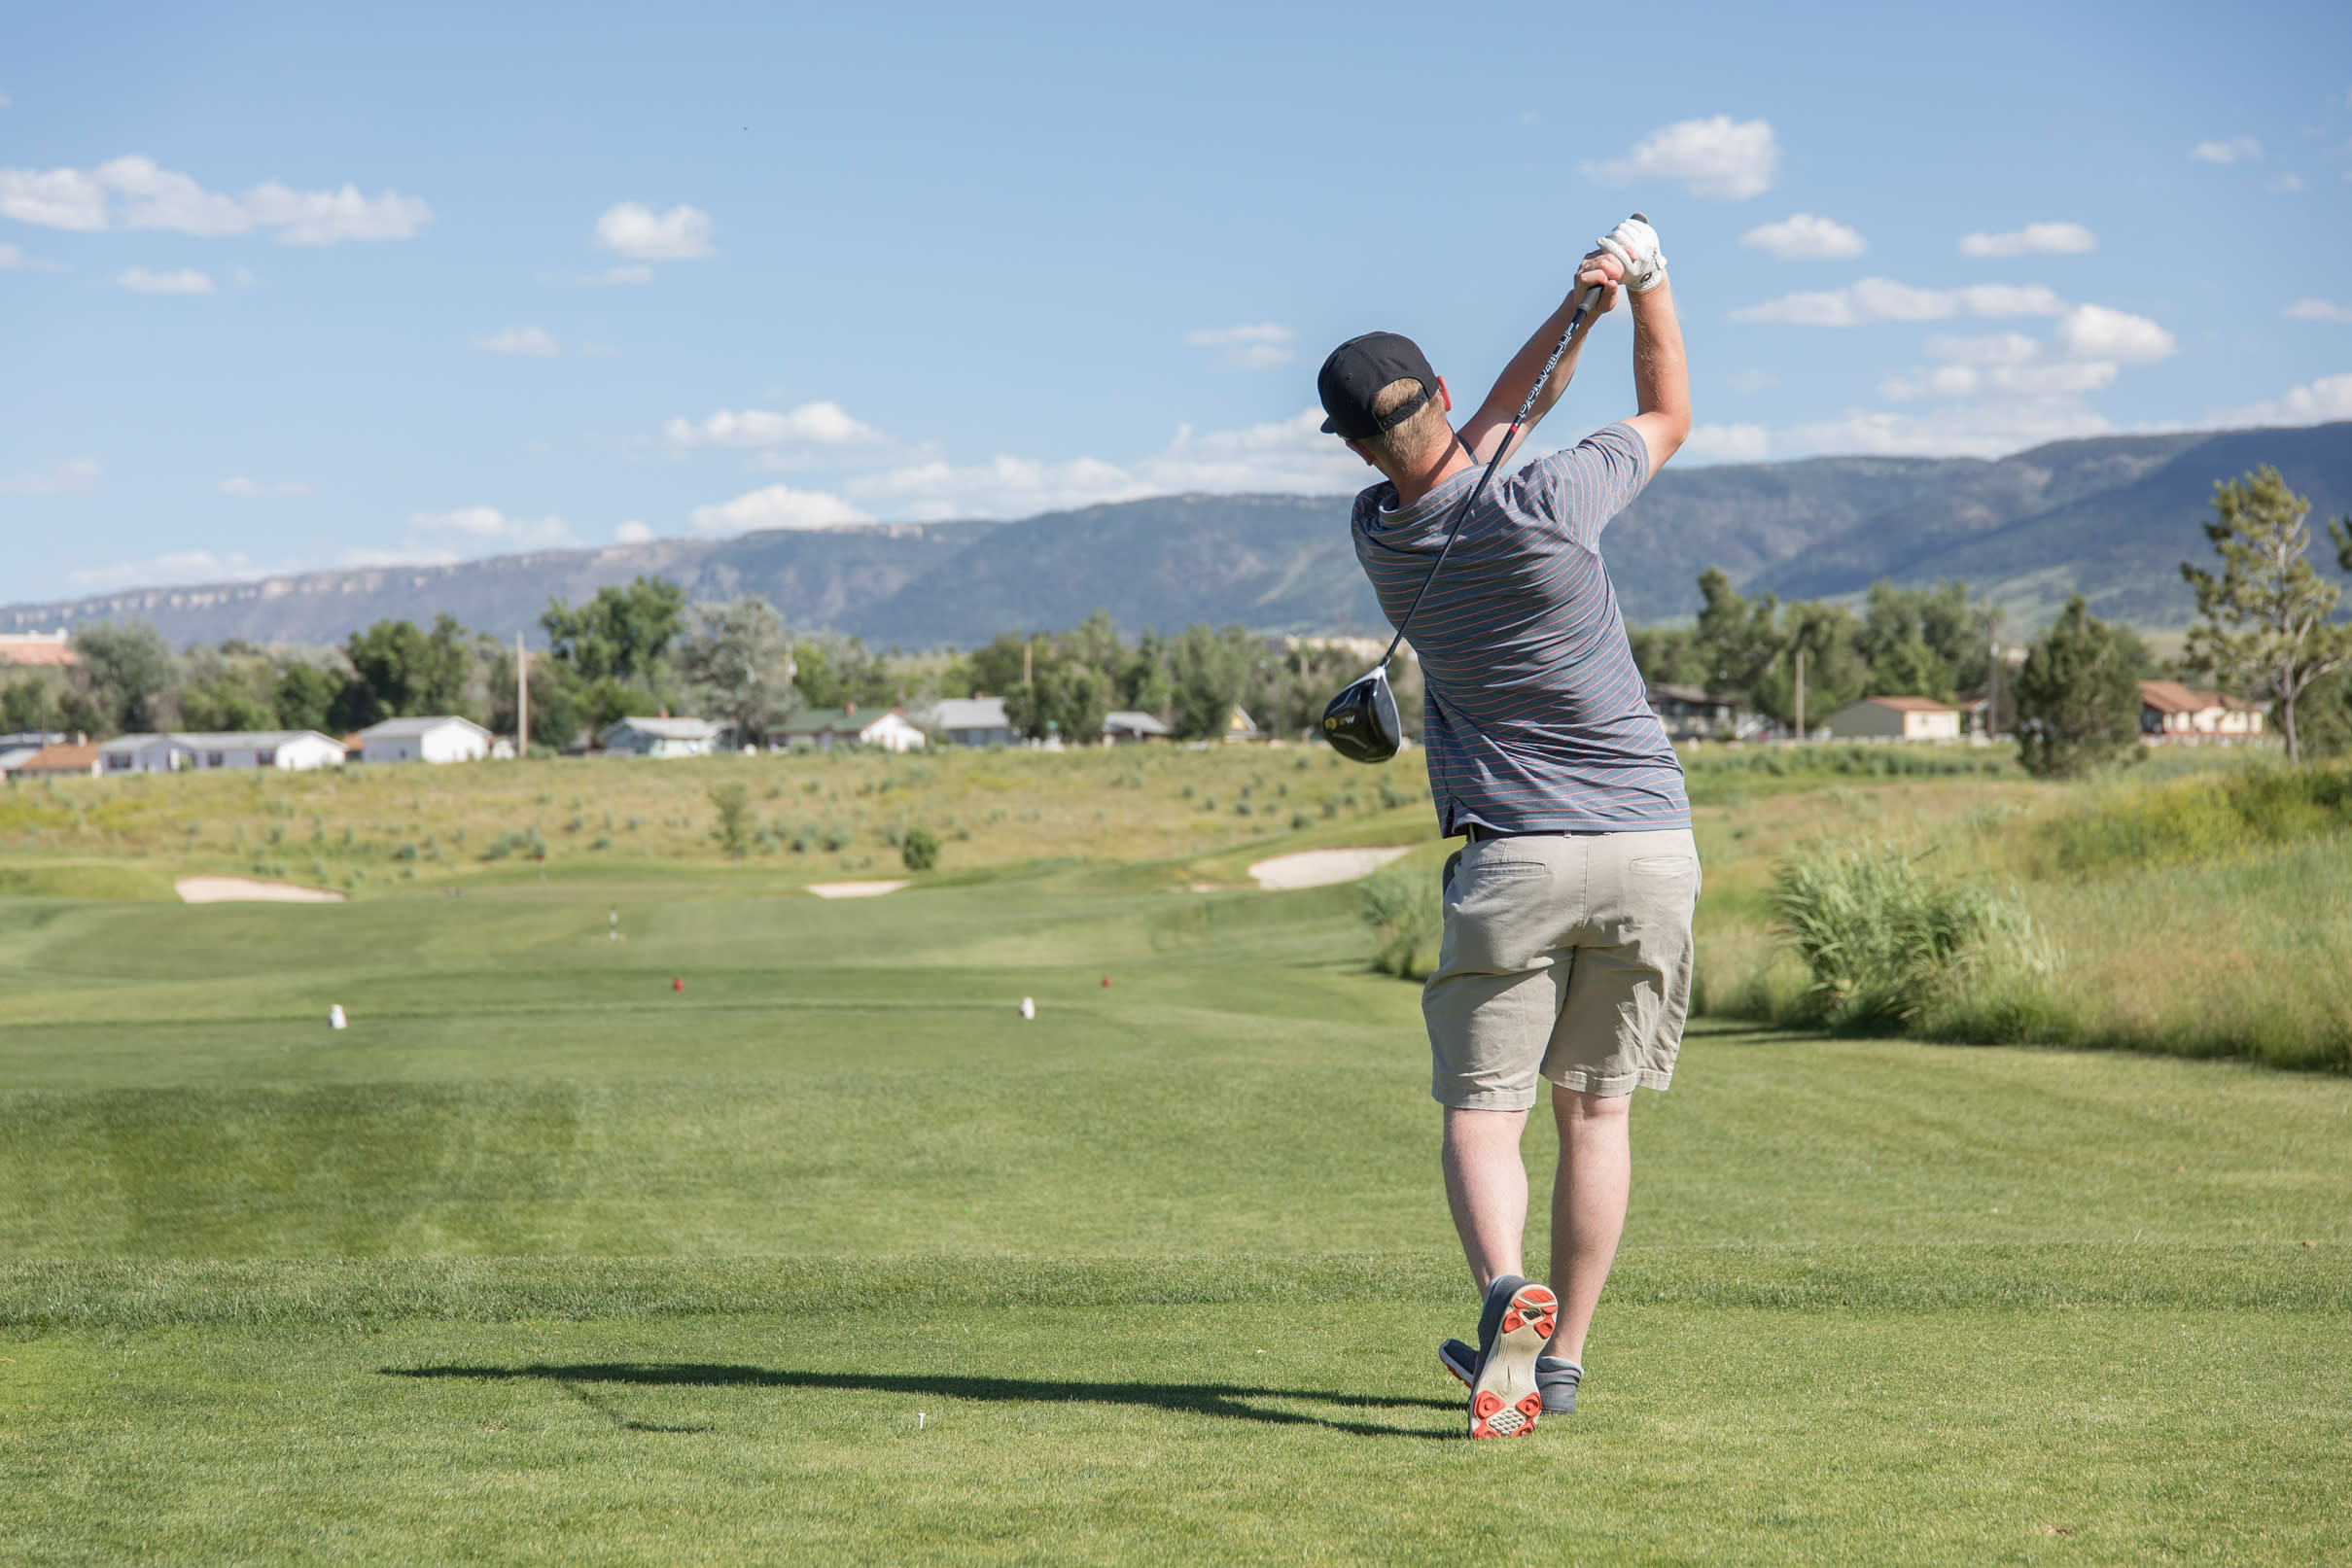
1535, 717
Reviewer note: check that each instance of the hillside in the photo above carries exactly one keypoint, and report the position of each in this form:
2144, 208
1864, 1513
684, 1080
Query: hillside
2113, 516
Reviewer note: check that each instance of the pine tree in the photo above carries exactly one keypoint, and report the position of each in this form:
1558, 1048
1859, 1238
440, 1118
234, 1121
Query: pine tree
2077, 696
2265, 624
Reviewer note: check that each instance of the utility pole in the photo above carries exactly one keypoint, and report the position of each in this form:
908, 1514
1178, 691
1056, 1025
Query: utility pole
1993, 676
1027, 644
522, 700
1801, 692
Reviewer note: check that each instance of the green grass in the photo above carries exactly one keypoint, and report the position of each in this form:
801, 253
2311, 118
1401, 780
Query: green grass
542, 1260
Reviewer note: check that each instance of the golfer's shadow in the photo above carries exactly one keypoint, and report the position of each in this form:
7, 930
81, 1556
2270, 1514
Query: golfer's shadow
1231, 1401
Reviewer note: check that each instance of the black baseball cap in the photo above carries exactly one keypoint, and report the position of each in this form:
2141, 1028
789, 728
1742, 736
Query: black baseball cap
1353, 377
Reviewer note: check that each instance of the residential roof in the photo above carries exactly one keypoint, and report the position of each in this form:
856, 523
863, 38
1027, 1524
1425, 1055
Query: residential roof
2172, 697
59, 760
240, 740
670, 729
969, 712
17, 756
36, 648
1136, 723
1674, 692
1912, 705
822, 721
393, 729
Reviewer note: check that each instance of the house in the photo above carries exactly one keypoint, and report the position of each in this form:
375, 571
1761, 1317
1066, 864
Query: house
1240, 726
56, 761
288, 750
445, 739
1128, 726
47, 649
2172, 714
1691, 713
885, 730
971, 722
1896, 719
661, 737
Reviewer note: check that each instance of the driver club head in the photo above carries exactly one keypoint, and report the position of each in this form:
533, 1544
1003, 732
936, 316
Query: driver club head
1361, 722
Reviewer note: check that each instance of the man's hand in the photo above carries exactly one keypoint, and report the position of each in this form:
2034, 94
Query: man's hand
1597, 270
1634, 245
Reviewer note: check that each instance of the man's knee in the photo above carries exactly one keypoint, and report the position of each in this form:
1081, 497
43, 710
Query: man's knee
1573, 1107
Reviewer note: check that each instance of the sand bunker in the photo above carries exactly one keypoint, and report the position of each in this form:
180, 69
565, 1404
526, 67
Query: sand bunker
244, 889
1320, 868
855, 890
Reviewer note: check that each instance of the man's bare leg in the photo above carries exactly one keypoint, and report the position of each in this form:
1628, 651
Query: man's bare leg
1487, 1188
1587, 1207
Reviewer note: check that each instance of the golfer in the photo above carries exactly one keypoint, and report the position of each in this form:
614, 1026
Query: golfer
1568, 937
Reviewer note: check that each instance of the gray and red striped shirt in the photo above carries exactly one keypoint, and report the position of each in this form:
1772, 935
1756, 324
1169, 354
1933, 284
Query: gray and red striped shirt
1535, 717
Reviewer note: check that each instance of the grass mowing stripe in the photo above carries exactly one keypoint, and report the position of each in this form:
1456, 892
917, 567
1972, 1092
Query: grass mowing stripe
42, 1294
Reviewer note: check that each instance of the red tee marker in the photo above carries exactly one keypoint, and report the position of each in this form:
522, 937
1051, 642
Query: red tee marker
677, 984
1106, 982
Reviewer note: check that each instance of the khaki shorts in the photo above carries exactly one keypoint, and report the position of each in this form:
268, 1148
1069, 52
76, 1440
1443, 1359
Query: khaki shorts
1565, 956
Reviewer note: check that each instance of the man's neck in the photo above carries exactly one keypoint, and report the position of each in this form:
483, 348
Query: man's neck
1441, 465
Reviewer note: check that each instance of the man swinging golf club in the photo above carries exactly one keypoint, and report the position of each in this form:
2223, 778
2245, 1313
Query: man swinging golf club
1567, 935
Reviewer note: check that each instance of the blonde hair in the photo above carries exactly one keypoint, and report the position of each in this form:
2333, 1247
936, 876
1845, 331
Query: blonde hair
1412, 442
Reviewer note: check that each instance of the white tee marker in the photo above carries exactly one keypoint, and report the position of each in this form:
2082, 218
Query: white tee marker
335, 1016
1029, 1008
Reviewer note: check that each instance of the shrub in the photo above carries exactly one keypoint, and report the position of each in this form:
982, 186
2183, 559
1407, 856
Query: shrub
1883, 942
1404, 906
732, 830
2206, 819
921, 852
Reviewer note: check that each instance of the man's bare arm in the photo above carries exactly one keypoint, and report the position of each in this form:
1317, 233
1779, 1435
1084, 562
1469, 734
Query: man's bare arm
1490, 425
1662, 379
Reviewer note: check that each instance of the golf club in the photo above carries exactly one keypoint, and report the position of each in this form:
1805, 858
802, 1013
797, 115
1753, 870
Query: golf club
1361, 722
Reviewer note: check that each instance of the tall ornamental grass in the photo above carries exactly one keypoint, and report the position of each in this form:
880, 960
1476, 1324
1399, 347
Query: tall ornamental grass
2204, 820
1404, 906
1888, 946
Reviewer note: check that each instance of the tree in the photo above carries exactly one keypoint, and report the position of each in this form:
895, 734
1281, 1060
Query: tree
24, 704
1736, 643
921, 851
304, 695
2266, 622
621, 633
1835, 673
400, 671
2078, 695
737, 656
1207, 673
834, 672
127, 666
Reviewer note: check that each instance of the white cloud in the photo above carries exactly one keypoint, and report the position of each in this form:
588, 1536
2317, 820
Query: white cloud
12, 256
157, 198
2314, 402
1285, 455
633, 531
166, 571
73, 473
1752, 381
488, 525
2098, 332
633, 272
533, 340
1255, 347
1720, 157
632, 230
823, 424
1972, 430
328, 217
1882, 299
254, 489
2319, 310
1804, 237
2236, 150
2034, 240
2285, 184
187, 280
1725, 443
59, 199
776, 506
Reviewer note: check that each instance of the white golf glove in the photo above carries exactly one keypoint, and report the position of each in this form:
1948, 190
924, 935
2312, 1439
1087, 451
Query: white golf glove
1634, 244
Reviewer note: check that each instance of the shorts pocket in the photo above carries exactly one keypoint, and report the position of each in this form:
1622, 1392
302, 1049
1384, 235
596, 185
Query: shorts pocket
1665, 865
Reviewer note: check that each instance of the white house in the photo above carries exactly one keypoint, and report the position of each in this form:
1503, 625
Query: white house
1896, 719
288, 750
661, 737
1128, 725
445, 739
971, 722
2172, 714
885, 730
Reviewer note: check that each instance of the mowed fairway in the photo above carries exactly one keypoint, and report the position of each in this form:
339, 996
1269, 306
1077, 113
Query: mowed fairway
832, 1257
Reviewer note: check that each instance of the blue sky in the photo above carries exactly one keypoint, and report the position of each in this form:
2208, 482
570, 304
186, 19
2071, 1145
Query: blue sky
294, 287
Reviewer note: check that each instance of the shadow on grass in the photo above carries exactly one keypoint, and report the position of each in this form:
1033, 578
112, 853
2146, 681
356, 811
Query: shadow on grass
1230, 1401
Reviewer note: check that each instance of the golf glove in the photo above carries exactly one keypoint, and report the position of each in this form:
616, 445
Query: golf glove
1634, 244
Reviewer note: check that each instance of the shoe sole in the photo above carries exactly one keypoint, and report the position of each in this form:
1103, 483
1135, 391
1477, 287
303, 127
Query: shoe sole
1504, 1401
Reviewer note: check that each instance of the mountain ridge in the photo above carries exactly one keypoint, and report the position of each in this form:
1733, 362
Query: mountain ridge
2111, 515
